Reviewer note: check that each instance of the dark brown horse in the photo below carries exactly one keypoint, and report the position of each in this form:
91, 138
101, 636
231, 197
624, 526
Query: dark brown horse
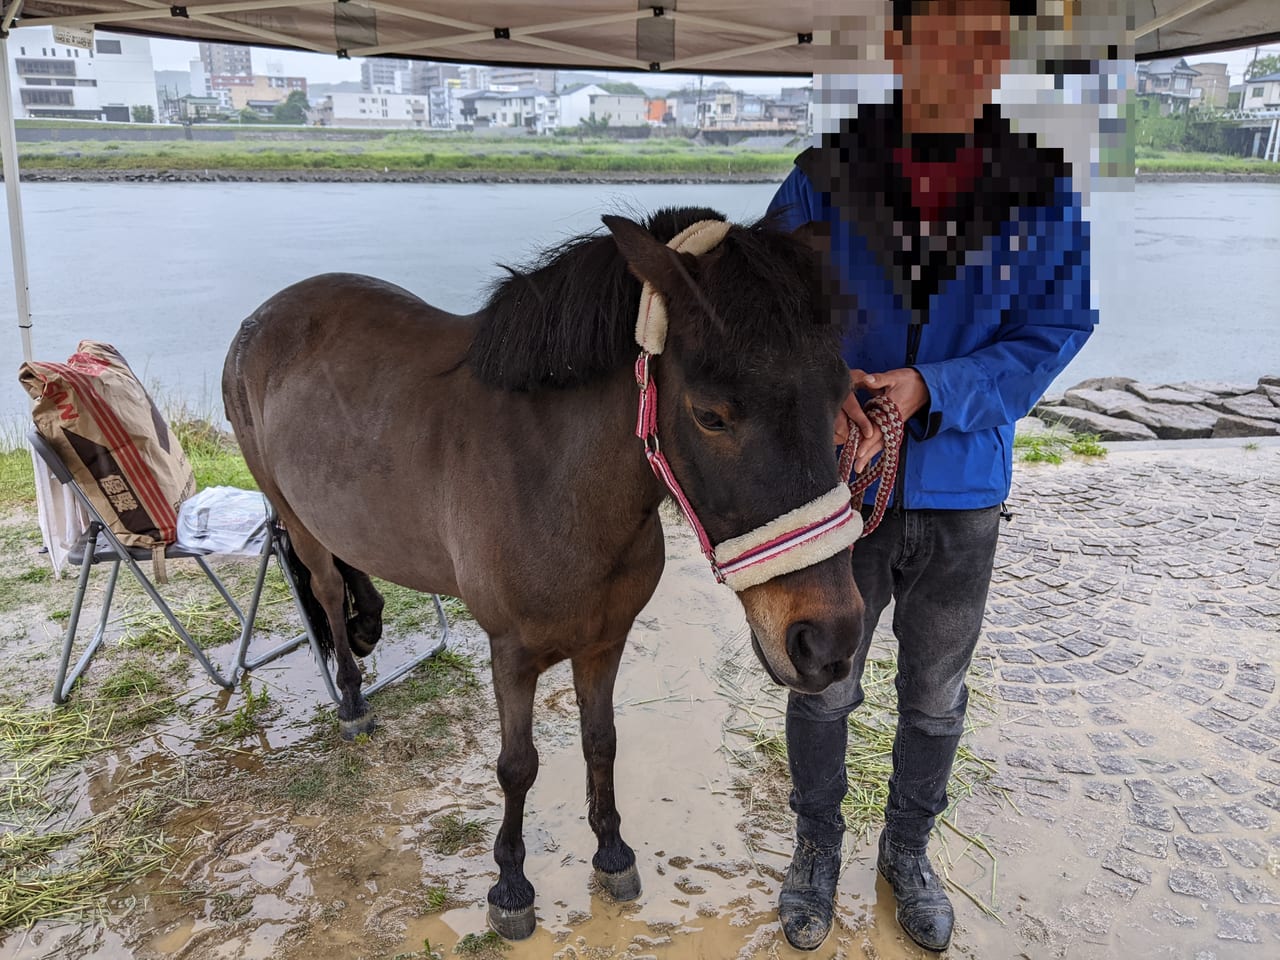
492, 457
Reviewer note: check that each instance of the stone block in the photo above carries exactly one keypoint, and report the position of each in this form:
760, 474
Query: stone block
1100, 401
1168, 394
1172, 421
1230, 425
1219, 387
1105, 383
1255, 406
1088, 421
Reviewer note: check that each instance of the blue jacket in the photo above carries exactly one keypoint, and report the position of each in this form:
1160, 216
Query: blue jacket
989, 316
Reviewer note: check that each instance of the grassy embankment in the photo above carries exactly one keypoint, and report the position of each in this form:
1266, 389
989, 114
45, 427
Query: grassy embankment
409, 152
1172, 161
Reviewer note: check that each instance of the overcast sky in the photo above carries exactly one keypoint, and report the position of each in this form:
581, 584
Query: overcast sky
178, 54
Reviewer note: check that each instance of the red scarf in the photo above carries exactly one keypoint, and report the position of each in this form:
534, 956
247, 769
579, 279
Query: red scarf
936, 184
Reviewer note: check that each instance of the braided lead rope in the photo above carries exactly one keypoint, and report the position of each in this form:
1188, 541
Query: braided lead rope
884, 413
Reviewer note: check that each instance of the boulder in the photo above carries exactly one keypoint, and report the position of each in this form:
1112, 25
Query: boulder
1105, 383
1229, 425
1173, 421
1272, 392
1100, 401
1269, 381
1219, 387
1168, 394
1256, 406
1089, 421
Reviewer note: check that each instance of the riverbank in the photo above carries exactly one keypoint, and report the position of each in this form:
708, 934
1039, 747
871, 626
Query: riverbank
216, 175
161, 175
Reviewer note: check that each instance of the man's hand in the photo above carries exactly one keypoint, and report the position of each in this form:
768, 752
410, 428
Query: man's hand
904, 386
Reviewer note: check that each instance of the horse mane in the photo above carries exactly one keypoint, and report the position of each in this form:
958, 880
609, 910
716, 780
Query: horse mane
569, 318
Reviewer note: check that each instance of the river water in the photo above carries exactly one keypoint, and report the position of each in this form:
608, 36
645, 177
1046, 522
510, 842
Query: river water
1187, 275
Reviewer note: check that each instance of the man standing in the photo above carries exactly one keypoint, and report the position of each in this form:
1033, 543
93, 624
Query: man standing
962, 265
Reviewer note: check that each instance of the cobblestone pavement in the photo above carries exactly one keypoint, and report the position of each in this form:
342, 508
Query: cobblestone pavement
1134, 636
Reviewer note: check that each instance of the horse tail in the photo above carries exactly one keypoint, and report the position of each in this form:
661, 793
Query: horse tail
311, 608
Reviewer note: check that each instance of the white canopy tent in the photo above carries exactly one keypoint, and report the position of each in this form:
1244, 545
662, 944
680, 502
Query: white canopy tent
723, 36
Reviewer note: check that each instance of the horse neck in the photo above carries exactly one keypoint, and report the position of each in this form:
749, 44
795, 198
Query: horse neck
595, 455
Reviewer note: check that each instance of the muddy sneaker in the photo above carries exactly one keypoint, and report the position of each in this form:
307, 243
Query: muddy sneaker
923, 908
806, 903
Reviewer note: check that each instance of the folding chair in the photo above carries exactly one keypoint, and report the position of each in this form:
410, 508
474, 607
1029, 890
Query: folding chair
99, 545
279, 540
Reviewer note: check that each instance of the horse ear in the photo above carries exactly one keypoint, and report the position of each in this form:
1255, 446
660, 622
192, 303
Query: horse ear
816, 235
650, 260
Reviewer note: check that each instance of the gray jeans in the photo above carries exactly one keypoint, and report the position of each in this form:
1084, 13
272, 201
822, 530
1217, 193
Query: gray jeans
936, 565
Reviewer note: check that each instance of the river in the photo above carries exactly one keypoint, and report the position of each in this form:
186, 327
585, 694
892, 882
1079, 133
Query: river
1187, 275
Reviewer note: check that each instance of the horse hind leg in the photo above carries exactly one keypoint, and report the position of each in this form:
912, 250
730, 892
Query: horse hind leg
614, 861
326, 584
364, 627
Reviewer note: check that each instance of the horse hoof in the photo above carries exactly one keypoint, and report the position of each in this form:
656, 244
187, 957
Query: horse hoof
623, 885
512, 924
350, 729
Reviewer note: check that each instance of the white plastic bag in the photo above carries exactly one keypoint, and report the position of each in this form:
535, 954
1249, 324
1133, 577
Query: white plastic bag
224, 520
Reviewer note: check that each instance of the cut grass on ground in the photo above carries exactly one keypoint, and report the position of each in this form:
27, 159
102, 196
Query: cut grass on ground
868, 761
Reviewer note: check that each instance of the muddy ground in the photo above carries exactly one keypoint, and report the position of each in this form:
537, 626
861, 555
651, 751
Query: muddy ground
1129, 664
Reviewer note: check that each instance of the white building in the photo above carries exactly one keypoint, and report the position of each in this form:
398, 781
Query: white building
527, 108
103, 83
1262, 93
591, 102
393, 111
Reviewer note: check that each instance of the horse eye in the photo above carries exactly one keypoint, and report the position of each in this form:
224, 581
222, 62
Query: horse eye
709, 420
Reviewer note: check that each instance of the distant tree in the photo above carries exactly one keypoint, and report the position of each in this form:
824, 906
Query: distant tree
250, 115
293, 110
1263, 66
143, 113
592, 127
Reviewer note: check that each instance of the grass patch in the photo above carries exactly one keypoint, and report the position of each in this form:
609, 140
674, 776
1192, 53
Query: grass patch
437, 898
428, 952
450, 832
408, 611
1172, 161
487, 944
214, 454
1055, 445
337, 777
249, 716
444, 675
17, 479
209, 623
132, 678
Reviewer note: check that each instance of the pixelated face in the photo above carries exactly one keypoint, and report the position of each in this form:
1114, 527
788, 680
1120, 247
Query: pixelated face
950, 55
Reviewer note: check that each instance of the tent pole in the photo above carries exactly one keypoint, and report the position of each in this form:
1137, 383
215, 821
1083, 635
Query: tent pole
13, 199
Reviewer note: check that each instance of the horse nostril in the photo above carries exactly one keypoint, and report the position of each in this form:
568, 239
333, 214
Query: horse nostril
800, 639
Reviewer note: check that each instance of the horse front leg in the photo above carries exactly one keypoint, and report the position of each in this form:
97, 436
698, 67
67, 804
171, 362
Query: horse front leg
511, 898
593, 679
